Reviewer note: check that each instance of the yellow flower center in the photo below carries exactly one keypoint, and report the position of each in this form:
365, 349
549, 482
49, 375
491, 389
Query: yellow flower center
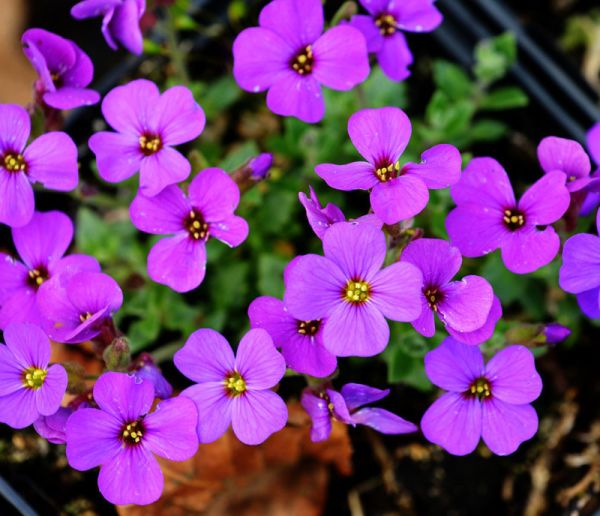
150, 144
480, 388
357, 291
386, 24
387, 171
309, 327
303, 62
37, 276
197, 228
513, 219
84, 317
433, 296
235, 384
34, 377
132, 433
14, 162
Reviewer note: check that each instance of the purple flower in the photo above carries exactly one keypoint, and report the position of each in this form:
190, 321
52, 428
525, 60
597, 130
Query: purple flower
148, 124
301, 342
488, 217
397, 193
289, 56
347, 406
463, 306
322, 218
555, 333
120, 21
144, 368
50, 159
75, 307
568, 157
580, 271
489, 401
234, 390
64, 70
28, 387
180, 260
260, 166
347, 287
122, 437
382, 29
41, 244
592, 199
53, 427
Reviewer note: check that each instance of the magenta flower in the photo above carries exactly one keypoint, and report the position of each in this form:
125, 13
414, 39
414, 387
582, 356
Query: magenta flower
120, 21
260, 166
347, 287
64, 70
301, 342
592, 199
580, 270
555, 333
322, 218
144, 368
489, 401
383, 26
347, 406
53, 427
568, 157
289, 56
232, 390
76, 306
463, 306
41, 244
122, 437
488, 217
180, 260
50, 159
397, 193
28, 387
148, 124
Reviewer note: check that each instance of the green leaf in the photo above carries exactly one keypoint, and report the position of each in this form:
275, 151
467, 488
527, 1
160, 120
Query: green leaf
270, 274
488, 130
452, 80
494, 57
504, 98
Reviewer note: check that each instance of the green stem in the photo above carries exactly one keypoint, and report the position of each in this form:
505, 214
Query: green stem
176, 55
166, 352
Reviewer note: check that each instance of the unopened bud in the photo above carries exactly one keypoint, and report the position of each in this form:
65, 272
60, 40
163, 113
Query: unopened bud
117, 356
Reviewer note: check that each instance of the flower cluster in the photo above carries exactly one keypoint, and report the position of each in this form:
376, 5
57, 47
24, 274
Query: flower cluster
373, 269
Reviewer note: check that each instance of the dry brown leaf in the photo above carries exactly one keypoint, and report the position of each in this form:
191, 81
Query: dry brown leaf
286, 475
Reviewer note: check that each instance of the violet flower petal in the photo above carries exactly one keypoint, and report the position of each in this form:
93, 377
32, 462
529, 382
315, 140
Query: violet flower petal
214, 409
513, 377
454, 423
205, 357
256, 415
454, 366
506, 426
258, 362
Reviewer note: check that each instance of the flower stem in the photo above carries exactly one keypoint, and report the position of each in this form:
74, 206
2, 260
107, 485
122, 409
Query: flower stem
175, 53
